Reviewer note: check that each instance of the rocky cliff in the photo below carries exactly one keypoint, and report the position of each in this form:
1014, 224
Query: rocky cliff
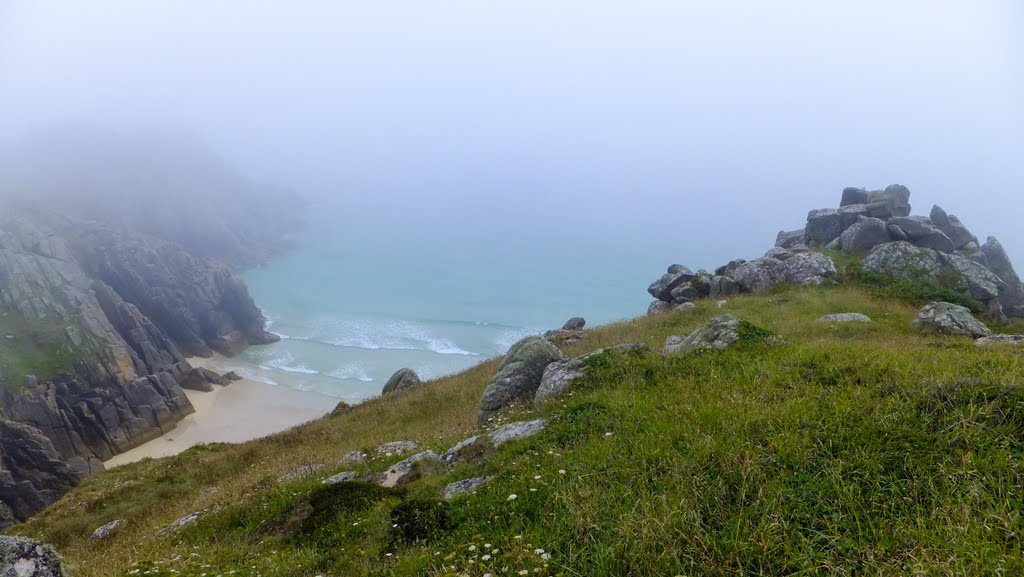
95, 326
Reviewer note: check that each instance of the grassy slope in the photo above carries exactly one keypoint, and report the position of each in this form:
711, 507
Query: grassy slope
859, 449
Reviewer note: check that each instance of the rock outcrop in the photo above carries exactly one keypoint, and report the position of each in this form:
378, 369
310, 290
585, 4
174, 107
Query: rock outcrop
950, 319
519, 376
32, 474
97, 323
936, 250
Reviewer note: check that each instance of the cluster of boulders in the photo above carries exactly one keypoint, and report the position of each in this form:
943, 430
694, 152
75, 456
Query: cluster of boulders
937, 249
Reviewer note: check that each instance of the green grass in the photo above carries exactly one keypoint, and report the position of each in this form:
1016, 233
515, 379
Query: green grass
822, 450
40, 348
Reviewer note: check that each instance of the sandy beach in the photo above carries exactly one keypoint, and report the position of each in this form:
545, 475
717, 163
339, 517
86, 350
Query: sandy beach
241, 411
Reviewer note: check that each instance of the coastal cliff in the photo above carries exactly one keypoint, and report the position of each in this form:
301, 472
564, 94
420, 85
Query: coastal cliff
96, 323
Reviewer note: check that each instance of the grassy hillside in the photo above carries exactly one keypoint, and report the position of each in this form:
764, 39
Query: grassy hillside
847, 450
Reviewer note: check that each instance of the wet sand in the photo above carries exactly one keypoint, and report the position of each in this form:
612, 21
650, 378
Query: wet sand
242, 411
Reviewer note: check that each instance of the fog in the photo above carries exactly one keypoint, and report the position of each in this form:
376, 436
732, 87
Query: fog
685, 131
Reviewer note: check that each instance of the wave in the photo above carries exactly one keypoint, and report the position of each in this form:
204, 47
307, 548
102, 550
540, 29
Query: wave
351, 372
388, 335
287, 363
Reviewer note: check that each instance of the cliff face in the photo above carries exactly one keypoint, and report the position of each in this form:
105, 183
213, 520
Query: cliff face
95, 325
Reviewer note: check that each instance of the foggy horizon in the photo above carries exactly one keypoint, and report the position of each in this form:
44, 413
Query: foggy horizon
691, 133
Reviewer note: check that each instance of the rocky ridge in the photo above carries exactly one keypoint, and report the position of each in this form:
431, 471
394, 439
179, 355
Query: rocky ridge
96, 326
937, 249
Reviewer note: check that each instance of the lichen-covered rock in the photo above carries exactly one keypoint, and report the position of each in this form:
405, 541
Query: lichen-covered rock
893, 201
1015, 340
718, 333
107, 530
519, 376
950, 319
401, 380
560, 375
464, 487
864, 235
353, 458
415, 467
844, 318
759, 275
575, 323
339, 478
23, 557
982, 284
808, 269
478, 445
904, 261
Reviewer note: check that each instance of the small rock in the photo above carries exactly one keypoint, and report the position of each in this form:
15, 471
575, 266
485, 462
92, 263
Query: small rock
301, 472
684, 307
845, 318
415, 467
465, 450
187, 520
23, 557
107, 530
401, 380
340, 478
1017, 340
516, 431
353, 458
464, 487
950, 319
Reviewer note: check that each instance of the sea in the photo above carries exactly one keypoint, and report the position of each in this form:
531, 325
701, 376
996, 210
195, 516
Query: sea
352, 305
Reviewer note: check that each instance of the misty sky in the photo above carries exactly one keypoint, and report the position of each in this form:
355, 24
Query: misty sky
692, 131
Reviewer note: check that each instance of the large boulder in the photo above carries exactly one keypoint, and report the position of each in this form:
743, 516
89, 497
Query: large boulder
923, 233
759, 274
1012, 298
519, 376
823, 226
893, 201
22, 557
950, 319
951, 226
864, 235
723, 286
789, 239
661, 289
717, 334
982, 284
853, 195
657, 307
577, 323
904, 261
401, 380
809, 268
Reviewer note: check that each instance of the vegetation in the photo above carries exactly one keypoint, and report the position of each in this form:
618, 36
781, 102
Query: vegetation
40, 348
857, 449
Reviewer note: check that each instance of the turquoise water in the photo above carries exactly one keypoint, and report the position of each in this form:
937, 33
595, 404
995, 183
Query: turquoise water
352, 307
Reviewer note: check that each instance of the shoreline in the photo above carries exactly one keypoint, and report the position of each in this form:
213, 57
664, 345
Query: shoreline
242, 411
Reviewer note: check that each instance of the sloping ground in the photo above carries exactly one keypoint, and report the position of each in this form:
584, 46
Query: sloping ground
827, 449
